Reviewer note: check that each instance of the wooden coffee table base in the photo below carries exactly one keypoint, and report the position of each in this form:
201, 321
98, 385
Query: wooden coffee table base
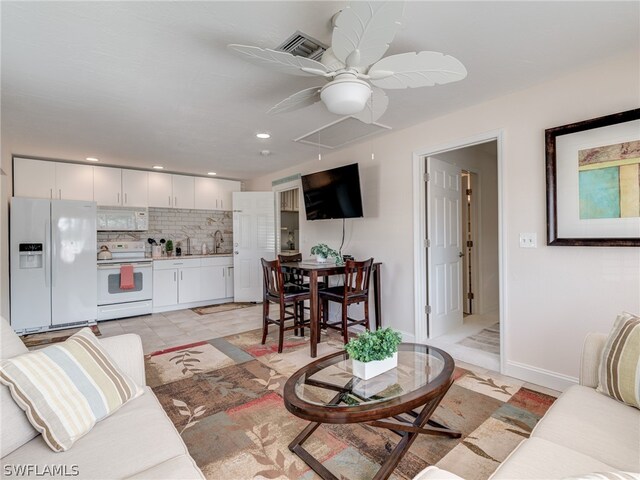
407, 425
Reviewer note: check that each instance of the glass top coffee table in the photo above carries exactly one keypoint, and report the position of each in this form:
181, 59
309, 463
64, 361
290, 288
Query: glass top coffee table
401, 400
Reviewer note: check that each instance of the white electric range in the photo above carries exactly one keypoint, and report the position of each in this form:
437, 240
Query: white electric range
115, 302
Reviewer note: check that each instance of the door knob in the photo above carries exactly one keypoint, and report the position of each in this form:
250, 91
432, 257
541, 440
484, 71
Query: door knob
461, 254
236, 252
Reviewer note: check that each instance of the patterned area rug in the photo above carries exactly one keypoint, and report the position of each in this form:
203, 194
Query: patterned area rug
41, 339
223, 307
225, 398
487, 340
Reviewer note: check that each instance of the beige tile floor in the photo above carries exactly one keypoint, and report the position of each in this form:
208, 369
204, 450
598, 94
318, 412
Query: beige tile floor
180, 327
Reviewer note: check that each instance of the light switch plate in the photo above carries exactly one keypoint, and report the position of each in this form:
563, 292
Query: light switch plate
528, 240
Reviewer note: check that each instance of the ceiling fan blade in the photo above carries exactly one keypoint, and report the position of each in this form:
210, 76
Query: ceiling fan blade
281, 61
375, 107
363, 31
302, 99
411, 70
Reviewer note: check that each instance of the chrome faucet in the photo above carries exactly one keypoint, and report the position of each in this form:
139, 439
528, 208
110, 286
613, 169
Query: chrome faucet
217, 241
188, 245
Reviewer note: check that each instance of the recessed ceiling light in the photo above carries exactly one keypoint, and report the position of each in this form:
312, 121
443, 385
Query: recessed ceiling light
263, 135
211, 173
158, 167
92, 159
265, 153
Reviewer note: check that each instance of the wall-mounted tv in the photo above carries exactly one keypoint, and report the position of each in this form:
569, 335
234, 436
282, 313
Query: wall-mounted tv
333, 193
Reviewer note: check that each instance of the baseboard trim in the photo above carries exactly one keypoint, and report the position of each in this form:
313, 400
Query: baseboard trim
406, 336
539, 376
182, 306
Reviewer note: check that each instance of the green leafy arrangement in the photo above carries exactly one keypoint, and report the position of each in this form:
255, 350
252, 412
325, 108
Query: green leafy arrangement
323, 250
168, 246
378, 345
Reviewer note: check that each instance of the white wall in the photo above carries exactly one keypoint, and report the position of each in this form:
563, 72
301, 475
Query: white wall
477, 159
554, 295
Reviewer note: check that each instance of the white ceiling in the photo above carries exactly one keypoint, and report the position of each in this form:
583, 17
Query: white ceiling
145, 83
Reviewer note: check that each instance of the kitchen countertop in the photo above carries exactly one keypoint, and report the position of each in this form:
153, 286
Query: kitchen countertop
183, 257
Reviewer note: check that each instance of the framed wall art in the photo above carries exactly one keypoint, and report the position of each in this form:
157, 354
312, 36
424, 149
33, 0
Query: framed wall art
593, 182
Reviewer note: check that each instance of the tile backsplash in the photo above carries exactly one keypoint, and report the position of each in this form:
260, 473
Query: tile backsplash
178, 224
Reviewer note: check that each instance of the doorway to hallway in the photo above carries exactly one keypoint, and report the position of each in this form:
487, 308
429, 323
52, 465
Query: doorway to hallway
462, 269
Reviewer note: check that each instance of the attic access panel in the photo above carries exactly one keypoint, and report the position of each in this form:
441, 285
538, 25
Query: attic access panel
341, 132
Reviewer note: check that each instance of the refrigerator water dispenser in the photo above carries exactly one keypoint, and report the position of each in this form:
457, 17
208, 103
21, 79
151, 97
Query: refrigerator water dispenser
31, 255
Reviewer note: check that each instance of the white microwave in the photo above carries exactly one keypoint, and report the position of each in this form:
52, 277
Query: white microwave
122, 219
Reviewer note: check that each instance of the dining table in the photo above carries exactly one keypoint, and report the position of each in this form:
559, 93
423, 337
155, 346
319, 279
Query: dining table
315, 270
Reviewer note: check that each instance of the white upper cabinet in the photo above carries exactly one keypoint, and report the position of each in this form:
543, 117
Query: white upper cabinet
60, 181
135, 188
214, 194
107, 185
183, 191
171, 191
160, 190
74, 182
227, 188
34, 178
207, 193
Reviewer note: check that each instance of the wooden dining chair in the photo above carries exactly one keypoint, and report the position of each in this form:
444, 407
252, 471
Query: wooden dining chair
276, 291
354, 290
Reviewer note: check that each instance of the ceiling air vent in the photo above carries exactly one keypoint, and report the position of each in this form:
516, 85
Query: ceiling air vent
341, 132
303, 45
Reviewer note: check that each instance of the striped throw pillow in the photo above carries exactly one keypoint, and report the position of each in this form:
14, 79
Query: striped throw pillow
619, 374
66, 388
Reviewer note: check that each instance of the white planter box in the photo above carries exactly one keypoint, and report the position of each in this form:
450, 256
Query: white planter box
376, 367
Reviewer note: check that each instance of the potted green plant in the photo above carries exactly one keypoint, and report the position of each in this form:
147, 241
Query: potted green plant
373, 353
169, 248
322, 252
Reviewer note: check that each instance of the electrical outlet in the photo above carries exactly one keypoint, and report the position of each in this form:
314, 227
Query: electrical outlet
528, 240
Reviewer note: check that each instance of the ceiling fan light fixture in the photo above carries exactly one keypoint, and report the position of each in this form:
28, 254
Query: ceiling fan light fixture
346, 96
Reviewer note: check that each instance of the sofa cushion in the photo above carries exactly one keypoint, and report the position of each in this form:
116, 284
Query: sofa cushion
182, 467
66, 388
136, 438
619, 375
16, 429
594, 425
537, 458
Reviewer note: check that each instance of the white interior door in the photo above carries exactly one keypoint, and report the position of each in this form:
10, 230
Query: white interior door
254, 237
444, 210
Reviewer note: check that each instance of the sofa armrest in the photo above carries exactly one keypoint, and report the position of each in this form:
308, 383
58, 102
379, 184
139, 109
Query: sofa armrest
126, 351
590, 363
435, 473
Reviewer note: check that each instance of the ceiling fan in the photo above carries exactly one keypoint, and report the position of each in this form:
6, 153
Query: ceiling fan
362, 33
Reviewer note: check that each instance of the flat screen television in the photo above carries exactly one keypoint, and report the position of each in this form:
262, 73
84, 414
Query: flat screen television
333, 193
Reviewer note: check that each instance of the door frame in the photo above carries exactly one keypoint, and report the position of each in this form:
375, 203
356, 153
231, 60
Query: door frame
284, 187
476, 228
420, 233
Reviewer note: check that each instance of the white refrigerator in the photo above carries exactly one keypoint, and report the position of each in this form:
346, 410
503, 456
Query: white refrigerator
53, 264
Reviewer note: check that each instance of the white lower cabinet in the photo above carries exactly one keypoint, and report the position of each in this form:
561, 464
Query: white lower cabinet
229, 281
165, 287
190, 281
189, 285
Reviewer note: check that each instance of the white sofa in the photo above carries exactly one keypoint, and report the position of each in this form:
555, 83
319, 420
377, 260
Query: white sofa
583, 432
138, 441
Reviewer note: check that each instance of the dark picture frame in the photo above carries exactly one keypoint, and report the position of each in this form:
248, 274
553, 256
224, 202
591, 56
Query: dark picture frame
554, 160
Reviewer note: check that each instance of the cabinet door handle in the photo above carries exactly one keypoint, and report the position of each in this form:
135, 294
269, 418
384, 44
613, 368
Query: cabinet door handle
222, 204
118, 201
125, 199
175, 276
180, 275
169, 200
51, 193
60, 194
175, 204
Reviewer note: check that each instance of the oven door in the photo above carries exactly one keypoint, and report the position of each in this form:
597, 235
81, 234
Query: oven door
109, 291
